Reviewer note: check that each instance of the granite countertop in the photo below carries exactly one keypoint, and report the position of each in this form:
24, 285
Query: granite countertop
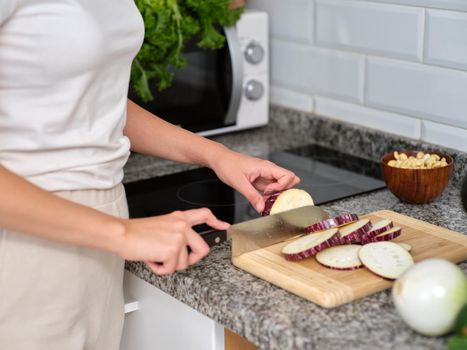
273, 318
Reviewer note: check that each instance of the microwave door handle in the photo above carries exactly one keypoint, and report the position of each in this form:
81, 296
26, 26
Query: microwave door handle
236, 58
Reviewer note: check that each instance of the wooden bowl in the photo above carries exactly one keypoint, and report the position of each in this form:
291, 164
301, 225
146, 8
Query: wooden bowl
416, 185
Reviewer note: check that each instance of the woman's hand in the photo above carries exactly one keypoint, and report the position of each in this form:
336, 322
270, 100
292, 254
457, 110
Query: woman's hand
162, 241
252, 177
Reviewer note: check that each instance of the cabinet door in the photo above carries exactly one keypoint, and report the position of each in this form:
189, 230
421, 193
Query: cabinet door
161, 322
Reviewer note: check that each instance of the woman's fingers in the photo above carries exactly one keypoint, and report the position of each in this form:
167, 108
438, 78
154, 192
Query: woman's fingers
182, 262
282, 183
204, 216
159, 268
247, 189
175, 262
275, 180
198, 247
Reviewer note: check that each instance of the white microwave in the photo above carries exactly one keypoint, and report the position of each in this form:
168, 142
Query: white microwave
221, 90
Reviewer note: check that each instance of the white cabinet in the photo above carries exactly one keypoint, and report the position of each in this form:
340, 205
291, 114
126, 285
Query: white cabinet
156, 321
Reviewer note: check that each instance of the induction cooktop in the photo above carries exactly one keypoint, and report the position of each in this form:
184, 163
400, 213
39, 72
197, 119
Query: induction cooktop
326, 174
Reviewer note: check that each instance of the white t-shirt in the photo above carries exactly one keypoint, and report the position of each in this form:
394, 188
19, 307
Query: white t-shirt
64, 73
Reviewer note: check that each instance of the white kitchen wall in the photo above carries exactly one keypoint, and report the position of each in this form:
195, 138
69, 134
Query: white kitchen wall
394, 65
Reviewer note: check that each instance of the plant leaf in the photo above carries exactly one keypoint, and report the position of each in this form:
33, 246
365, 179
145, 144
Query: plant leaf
169, 25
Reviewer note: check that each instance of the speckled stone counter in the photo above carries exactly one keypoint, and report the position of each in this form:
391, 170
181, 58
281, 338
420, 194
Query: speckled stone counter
273, 318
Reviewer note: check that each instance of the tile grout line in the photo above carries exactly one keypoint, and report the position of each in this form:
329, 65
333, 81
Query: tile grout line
424, 36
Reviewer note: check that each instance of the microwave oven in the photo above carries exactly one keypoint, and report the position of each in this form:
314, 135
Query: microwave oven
223, 90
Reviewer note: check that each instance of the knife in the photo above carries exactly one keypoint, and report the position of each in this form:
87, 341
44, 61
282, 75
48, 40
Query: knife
267, 230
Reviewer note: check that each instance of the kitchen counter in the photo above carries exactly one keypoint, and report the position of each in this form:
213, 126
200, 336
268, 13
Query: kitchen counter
273, 318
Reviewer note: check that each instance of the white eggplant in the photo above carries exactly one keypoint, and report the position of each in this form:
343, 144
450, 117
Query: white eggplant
286, 200
344, 257
310, 244
385, 259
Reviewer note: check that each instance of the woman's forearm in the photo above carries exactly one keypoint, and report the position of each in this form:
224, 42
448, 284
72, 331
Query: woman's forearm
153, 136
26, 208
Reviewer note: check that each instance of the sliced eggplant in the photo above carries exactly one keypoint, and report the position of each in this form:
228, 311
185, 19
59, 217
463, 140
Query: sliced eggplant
310, 244
378, 227
385, 259
286, 200
388, 235
406, 246
344, 257
269, 202
354, 232
331, 223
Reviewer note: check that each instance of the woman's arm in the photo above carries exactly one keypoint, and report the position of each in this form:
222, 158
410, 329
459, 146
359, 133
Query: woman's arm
250, 176
153, 136
26, 208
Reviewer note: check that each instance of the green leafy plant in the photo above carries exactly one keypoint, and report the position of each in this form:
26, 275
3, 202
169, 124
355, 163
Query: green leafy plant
169, 24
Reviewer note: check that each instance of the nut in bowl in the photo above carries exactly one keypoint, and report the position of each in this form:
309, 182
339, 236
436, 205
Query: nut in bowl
415, 176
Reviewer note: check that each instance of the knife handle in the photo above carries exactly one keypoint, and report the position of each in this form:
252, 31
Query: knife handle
214, 237
211, 237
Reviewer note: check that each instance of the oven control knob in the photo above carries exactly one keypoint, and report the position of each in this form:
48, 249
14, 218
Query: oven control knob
254, 90
254, 52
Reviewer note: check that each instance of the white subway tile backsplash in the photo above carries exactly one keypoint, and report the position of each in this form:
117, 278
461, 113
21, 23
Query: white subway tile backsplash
290, 65
398, 66
445, 135
291, 99
368, 117
291, 19
317, 71
446, 39
337, 74
460, 5
429, 92
384, 29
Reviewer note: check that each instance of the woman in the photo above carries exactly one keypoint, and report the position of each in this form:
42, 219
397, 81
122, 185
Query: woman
66, 128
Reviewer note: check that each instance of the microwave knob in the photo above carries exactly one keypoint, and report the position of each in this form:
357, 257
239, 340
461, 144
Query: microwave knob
254, 52
254, 90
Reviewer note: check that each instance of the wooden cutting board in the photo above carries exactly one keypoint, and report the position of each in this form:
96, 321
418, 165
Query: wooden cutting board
330, 288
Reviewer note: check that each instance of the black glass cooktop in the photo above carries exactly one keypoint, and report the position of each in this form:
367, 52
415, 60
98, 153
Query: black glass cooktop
326, 174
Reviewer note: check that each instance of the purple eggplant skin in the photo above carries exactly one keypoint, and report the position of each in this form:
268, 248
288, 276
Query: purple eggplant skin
269, 202
367, 237
321, 226
331, 242
372, 233
383, 236
351, 238
342, 268
386, 237
357, 235
331, 223
346, 219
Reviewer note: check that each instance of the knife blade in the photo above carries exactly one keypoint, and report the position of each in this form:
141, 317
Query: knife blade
267, 230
